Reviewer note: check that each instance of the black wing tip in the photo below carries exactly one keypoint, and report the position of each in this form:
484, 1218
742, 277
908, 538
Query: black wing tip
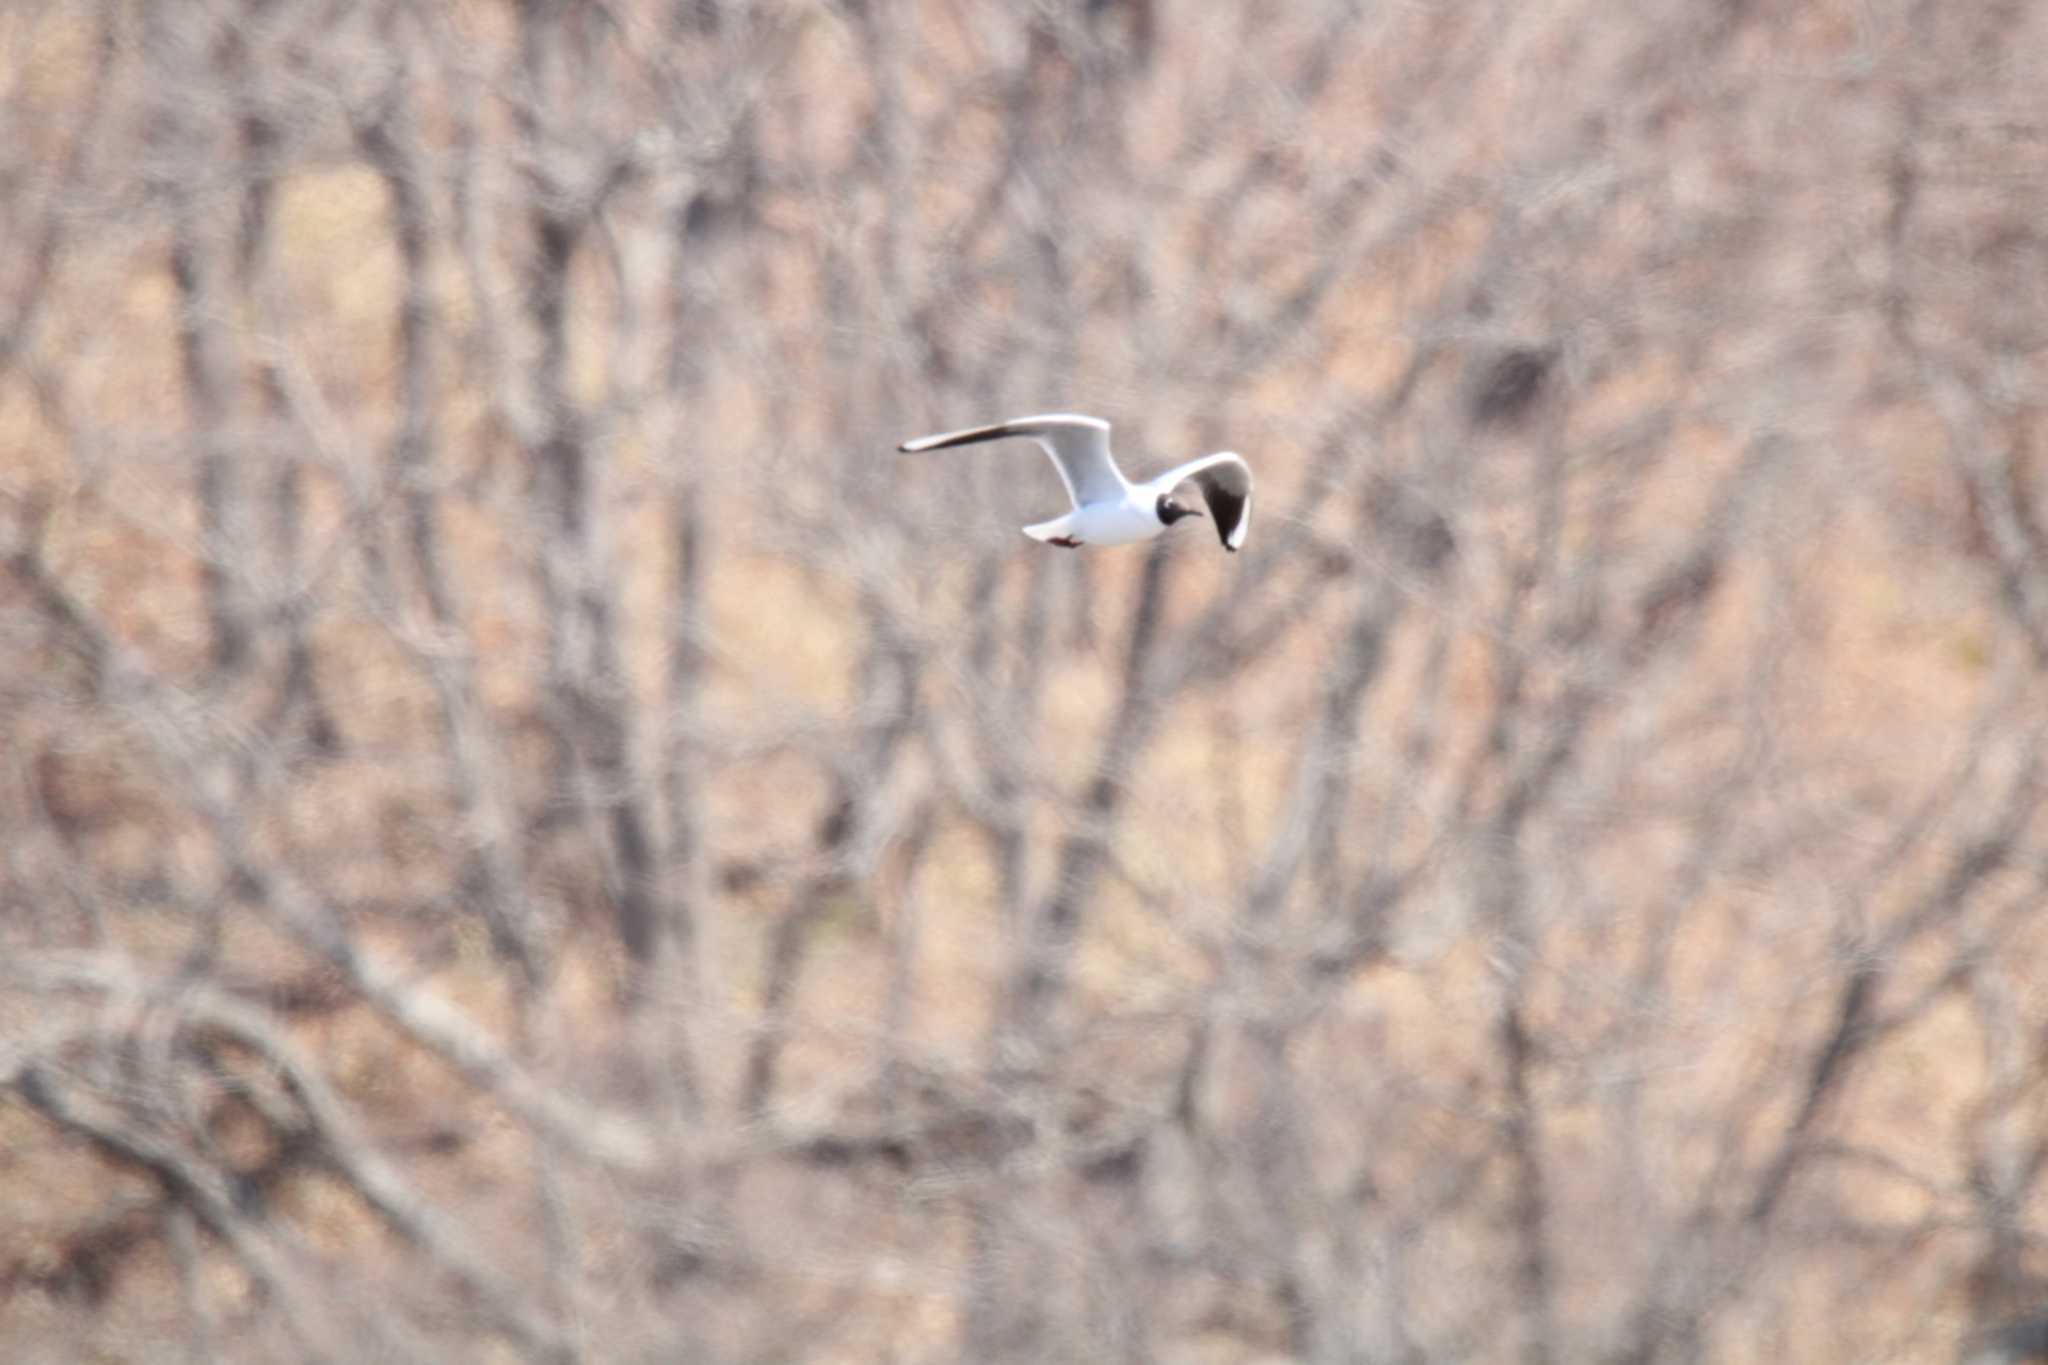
947, 440
1227, 511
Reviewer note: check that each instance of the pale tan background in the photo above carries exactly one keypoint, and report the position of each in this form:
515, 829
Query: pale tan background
531, 834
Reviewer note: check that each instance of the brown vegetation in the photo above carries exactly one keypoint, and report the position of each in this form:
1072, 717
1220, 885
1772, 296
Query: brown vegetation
531, 834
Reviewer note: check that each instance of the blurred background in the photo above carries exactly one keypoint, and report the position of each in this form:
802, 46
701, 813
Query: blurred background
529, 833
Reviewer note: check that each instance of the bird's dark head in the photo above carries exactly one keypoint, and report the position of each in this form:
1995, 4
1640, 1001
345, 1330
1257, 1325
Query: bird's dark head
1172, 509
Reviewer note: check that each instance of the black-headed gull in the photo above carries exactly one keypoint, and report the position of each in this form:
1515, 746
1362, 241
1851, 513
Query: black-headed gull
1108, 508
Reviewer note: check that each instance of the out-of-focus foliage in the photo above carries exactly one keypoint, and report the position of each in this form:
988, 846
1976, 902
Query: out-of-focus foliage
531, 833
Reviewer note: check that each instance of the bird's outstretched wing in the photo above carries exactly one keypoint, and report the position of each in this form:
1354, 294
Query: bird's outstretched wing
1226, 484
1079, 447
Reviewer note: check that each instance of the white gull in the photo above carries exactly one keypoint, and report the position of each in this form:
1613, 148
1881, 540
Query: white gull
1108, 508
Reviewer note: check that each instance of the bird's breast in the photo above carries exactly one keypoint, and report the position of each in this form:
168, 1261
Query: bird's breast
1115, 523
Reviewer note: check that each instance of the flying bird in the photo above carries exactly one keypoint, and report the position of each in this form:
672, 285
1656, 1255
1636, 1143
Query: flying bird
1108, 508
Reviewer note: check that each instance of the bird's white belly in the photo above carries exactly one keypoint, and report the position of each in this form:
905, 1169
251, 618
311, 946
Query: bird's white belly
1114, 523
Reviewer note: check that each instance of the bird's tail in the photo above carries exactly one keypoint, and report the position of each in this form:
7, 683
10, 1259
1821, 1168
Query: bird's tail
1056, 529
